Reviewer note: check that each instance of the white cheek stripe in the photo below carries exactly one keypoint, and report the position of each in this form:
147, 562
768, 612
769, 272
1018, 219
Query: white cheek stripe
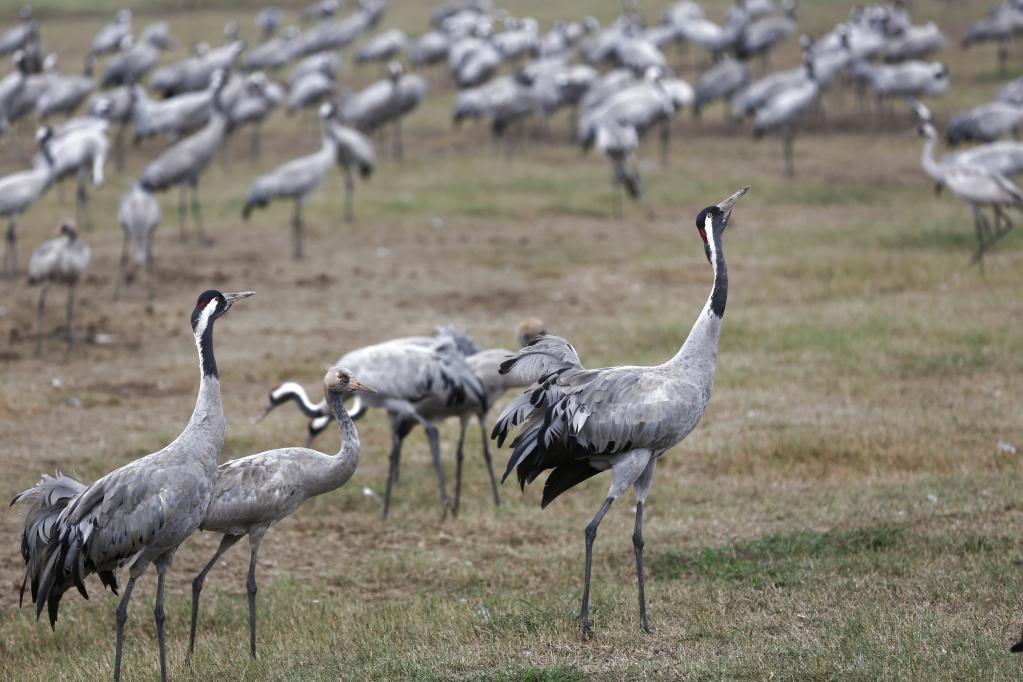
200, 328
708, 227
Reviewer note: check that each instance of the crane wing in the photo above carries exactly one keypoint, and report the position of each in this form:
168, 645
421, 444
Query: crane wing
260, 488
545, 354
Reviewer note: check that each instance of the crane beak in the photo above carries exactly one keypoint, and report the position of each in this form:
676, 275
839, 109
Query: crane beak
728, 203
233, 298
356, 385
262, 415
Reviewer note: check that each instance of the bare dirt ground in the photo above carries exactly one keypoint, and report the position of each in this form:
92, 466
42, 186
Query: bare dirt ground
842, 512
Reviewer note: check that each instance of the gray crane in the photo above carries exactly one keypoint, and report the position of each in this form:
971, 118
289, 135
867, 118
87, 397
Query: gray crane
976, 185
580, 422
253, 106
311, 89
720, 82
139, 216
267, 20
116, 106
759, 37
295, 180
383, 47
184, 162
619, 143
985, 123
22, 34
80, 151
405, 372
336, 35
18, 192
915, 42
134, 60
273, 53
174, 117
326, 62
354, 154
430, 48
63, 93
1003, 158
136, 515
385, 101
58, 261
1000, 25
109, 38
11, 86
784, 112
196, 72
253, 493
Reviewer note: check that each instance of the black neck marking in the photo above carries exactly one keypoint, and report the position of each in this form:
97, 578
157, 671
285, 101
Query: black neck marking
207, 359
719, 294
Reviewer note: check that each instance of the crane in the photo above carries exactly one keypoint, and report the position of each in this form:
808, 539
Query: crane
18, 192
58, 261
139, 216
580, 422
136, 515
253, 493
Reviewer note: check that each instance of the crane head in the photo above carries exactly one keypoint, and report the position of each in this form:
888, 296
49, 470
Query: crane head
211, 305
715, 219
341, 381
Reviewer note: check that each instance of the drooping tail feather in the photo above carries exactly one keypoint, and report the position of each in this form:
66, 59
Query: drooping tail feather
52, 554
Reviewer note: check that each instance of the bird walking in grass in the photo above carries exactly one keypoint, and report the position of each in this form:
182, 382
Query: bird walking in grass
59, 261
136, 515
255, 492
580, 422
19, 192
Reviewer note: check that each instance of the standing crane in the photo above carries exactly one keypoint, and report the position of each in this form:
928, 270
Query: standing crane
109, 38
136, 515
183, 163
139, 216
405, 372
975, 183
295, 179
354, 153
81, 151
785, 111
580, 422
58, 261
383, 102
18, 192
255, 492
619, 143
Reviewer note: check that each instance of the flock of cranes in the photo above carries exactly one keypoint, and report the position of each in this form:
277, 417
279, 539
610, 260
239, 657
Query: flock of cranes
571, 421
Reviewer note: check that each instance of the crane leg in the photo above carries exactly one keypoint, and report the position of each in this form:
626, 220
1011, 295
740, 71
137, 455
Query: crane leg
40, 305
665, 141
150, 283
296, 230
226, 543
790, 169
197, 214
1003, 55
161, 617
585, 630
122, 268
349, 191
433, 437
137, 569
182, 214
11, 250
399, 153
392, 472
979, 222
71, 316
250, 586
485, 437
459, 459
82, 203
119, 149
642, 486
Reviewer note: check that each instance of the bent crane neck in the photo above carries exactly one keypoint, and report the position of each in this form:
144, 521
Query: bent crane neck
931, 167
347, 459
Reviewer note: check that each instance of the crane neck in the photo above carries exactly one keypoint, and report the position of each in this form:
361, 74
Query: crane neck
208, 415
927, 160
348, 456
702, 341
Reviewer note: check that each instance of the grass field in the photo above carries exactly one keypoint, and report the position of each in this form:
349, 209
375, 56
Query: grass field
843, 511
